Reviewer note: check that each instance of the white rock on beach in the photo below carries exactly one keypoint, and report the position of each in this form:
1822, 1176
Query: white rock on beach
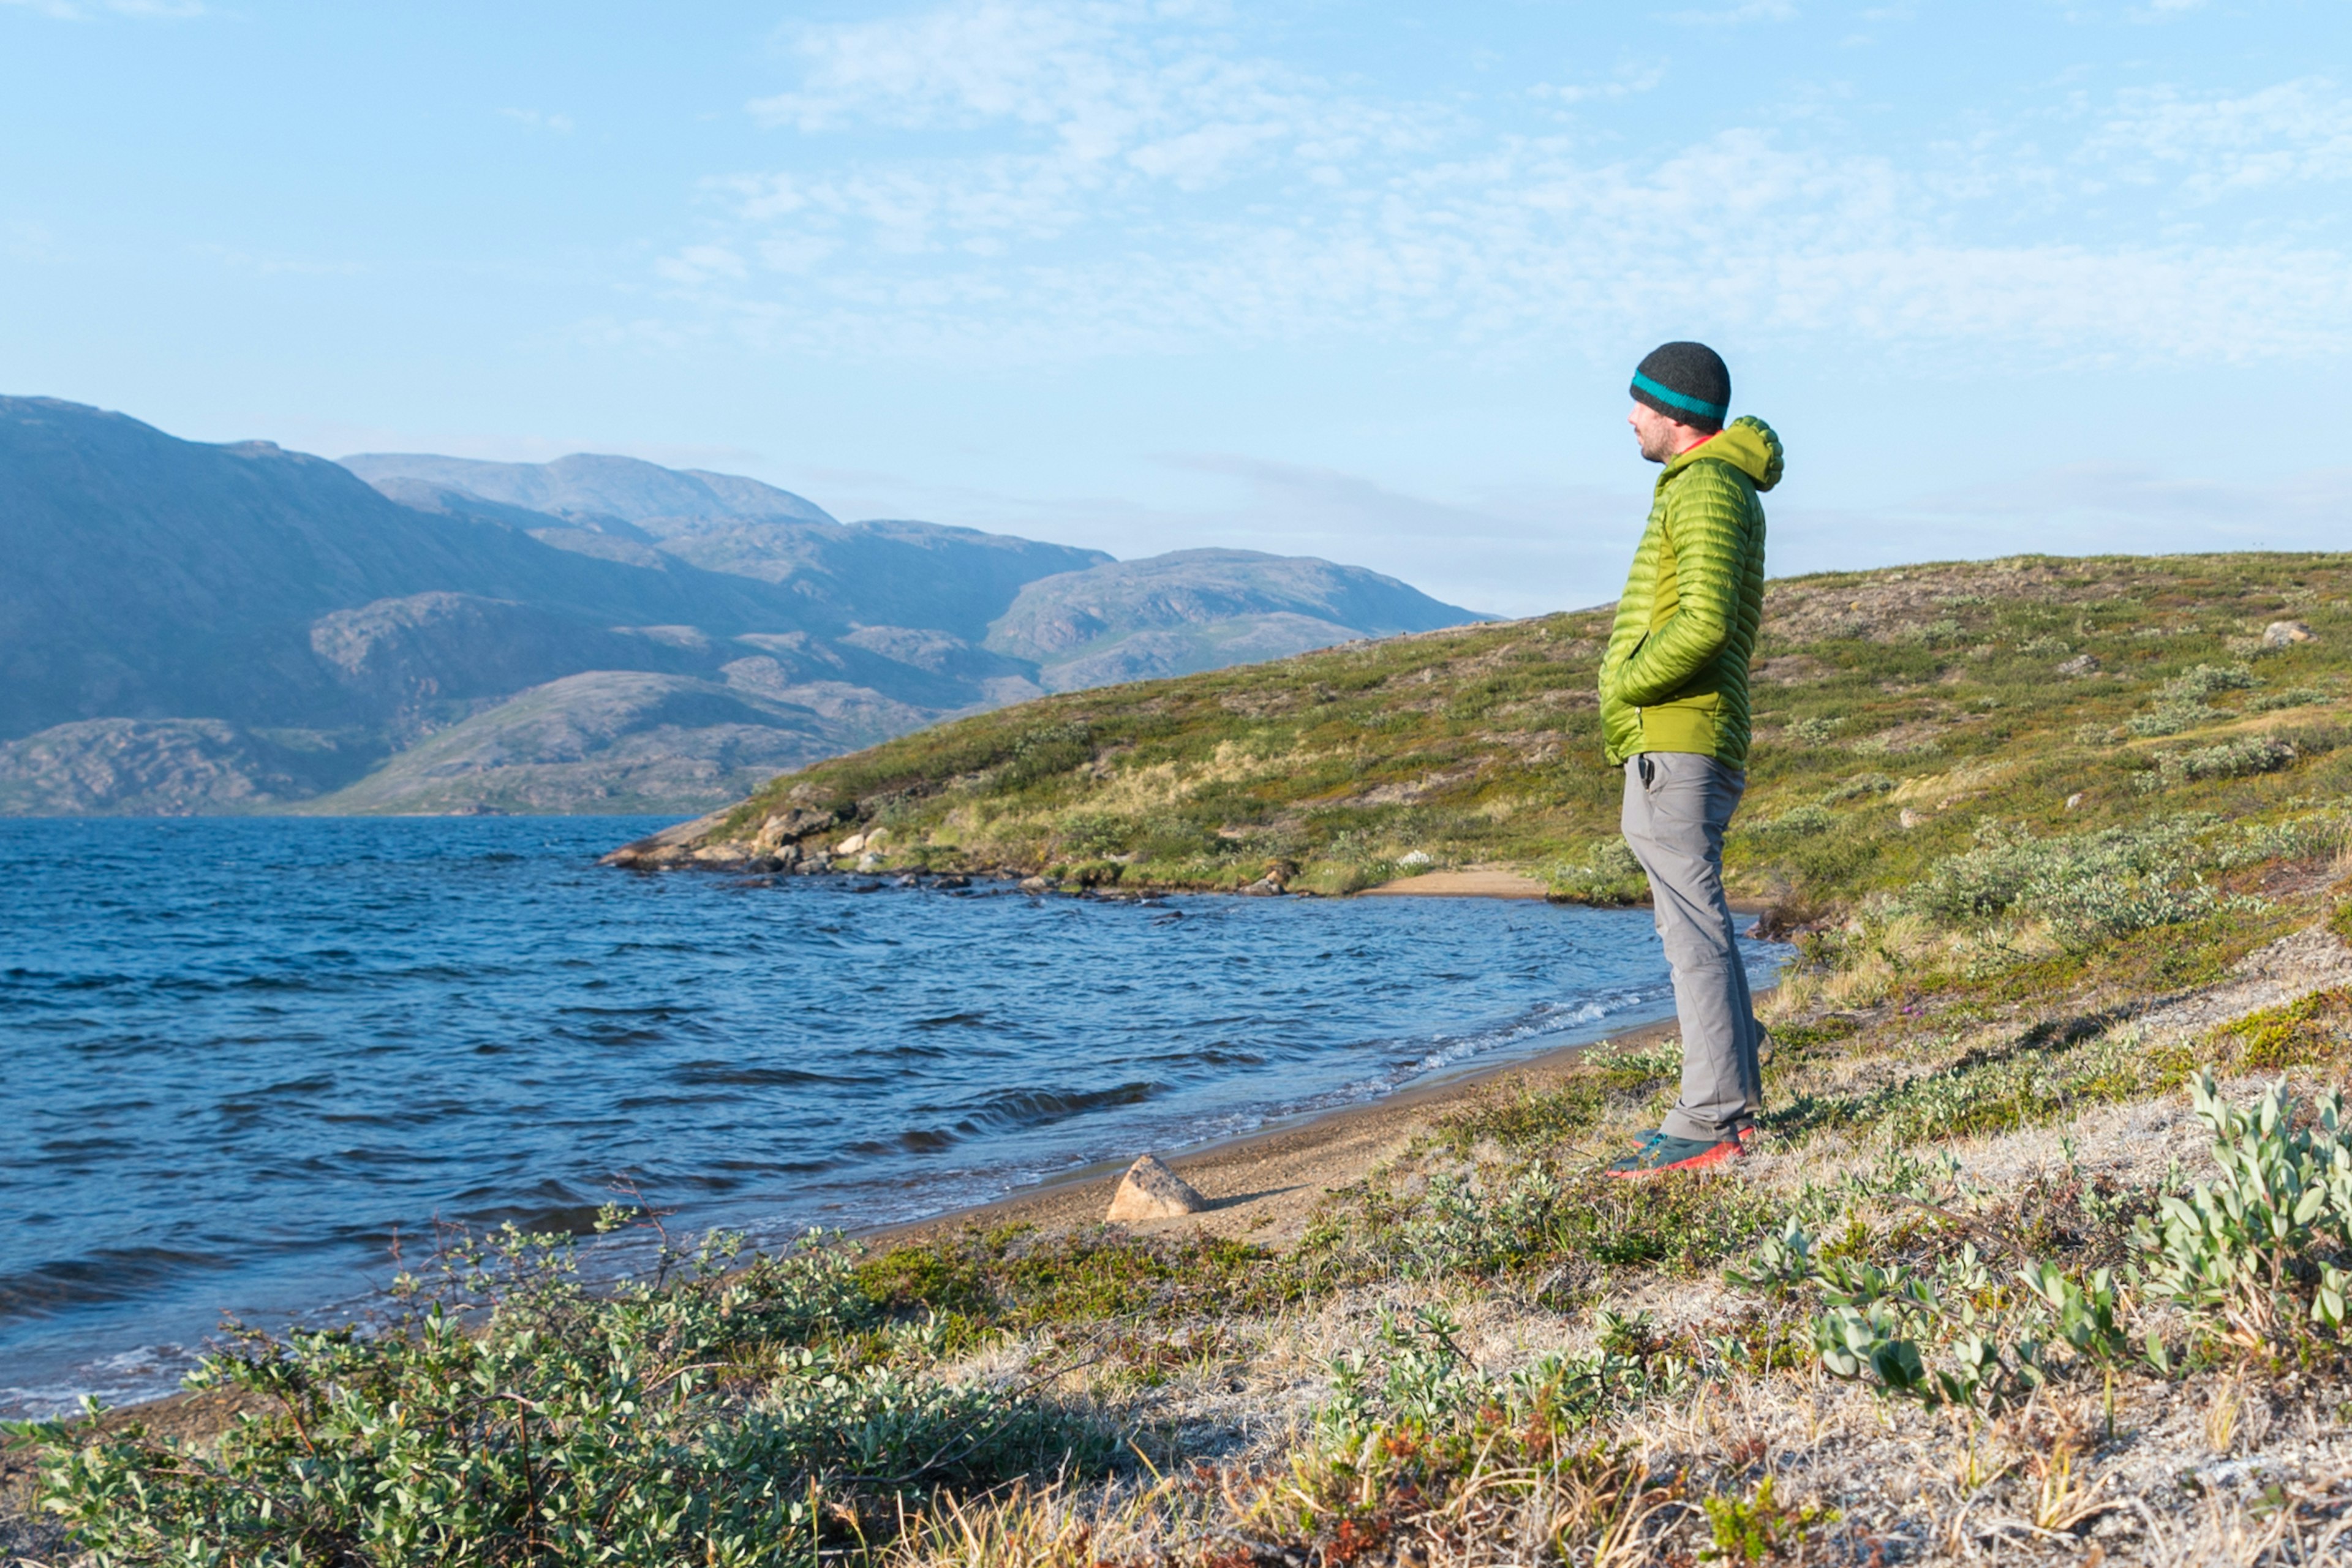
1150, 1190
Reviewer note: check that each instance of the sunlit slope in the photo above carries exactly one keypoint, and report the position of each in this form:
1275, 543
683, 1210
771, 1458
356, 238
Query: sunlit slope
1896, 711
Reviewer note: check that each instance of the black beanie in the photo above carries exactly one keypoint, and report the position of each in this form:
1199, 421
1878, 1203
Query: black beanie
1687, 383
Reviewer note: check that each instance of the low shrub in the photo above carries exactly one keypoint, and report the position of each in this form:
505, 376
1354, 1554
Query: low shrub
2292, 697
2182, 702
2266, 1245
1812, 730
722, 1417
2229, 760
1797, 822
1861, 787
1533, 1219
2087, 886
1608, 873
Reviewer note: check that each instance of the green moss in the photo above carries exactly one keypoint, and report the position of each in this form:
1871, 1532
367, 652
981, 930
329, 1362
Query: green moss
2318, 1029
1012, 1278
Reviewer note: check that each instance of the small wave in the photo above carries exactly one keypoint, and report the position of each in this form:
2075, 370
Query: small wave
126, 1377
729, 1075
110, 1274
1038, 1107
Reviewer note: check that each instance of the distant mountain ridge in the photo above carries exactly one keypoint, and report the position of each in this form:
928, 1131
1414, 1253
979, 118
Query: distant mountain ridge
196, 627
592, 485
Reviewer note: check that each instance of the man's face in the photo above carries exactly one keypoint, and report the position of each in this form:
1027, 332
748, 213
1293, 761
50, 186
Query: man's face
1659, 437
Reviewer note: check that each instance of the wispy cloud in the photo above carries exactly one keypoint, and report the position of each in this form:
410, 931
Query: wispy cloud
2295, 132
270, 265
1050, 181
533, 119
1732, 15
84, 10
1623, 82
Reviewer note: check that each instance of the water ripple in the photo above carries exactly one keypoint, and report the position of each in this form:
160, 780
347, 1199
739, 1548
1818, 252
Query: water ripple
244, 1055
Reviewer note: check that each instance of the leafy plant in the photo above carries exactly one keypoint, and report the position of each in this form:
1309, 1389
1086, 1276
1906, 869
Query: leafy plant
516, 1417
2181, 703
2265, 1244
2229, 760
1607, 874
2088, 886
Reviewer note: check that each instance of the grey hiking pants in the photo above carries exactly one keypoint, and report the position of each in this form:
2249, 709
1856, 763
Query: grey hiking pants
1677, 804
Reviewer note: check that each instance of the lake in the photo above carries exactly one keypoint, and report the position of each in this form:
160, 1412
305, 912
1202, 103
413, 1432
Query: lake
243, 1056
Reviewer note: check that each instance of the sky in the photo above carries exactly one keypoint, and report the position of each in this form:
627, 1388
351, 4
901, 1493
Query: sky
1363, 281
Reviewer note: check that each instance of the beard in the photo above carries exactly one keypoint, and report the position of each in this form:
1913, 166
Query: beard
1655, 439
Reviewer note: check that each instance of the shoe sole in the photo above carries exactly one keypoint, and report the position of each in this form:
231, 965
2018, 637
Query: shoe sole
1721, 1153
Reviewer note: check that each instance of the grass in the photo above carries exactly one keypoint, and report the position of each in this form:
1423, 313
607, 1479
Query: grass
1483, 1352
2046, 1254
1895, 711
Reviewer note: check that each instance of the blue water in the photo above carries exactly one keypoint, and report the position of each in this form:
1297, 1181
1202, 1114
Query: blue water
241, 1056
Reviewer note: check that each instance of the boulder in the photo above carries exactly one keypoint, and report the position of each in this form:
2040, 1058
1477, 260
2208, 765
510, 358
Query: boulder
851, 845
1036, 885
2287, 633
2080, 665
1150, 1190
1909, 818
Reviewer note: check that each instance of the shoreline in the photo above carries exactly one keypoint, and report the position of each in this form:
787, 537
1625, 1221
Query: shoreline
1261, 1185
1264, 1184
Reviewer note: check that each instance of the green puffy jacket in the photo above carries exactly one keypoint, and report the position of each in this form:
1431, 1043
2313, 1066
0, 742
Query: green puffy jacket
1676, 675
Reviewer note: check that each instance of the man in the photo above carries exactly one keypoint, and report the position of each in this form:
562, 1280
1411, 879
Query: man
1673, 715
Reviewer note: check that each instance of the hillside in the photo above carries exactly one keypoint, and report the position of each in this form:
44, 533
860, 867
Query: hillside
2042, 1255
1200, 609
1896, 712
191, 627
885, 573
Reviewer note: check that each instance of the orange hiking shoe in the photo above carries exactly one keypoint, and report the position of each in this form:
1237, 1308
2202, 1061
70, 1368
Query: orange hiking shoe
1658, 1153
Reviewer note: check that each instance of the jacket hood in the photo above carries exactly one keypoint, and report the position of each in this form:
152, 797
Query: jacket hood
1747, 444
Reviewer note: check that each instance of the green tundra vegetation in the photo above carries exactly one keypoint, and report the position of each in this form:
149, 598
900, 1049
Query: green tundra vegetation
2044, 1257
1896, 712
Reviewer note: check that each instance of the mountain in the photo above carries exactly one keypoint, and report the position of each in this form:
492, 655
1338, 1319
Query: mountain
151, 577
614, 741
1201, 609
592, 489
886, 573
187, 626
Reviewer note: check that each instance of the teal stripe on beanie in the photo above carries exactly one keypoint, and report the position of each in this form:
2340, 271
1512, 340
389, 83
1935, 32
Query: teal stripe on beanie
1685, 382
1689, 404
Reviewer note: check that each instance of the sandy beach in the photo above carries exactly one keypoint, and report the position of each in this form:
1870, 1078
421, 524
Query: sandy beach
1266, 1186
